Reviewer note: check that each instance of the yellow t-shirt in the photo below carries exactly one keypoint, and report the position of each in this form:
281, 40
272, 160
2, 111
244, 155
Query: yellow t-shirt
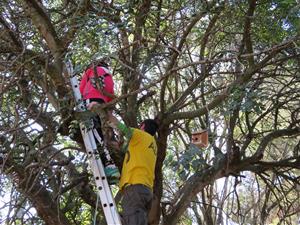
139, 162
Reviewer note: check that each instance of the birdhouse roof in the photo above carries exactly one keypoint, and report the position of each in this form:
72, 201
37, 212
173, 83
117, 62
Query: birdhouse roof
198, 132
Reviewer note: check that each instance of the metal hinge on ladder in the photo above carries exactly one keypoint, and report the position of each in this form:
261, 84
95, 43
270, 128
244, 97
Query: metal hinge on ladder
107, 201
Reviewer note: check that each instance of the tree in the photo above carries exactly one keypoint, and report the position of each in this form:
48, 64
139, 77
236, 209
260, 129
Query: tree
231, 67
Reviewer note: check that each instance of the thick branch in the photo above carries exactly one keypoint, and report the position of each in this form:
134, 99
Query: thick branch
273, 135
247, 30
43, 23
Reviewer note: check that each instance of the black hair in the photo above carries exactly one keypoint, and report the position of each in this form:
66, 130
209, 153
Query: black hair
151, 126
103, 64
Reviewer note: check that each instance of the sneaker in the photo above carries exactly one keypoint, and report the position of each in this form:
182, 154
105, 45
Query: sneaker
112, 172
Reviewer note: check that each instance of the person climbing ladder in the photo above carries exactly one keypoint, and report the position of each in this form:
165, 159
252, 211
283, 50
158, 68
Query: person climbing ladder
97, 87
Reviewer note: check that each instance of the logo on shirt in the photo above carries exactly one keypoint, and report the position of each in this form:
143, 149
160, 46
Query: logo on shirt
153, 147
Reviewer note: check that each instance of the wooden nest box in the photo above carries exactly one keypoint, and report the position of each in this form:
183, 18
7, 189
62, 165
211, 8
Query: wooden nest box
200, 138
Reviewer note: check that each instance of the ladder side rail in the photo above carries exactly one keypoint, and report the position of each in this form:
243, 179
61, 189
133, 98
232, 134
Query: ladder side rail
107, 200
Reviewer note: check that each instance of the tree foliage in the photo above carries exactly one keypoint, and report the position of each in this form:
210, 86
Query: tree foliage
231, 67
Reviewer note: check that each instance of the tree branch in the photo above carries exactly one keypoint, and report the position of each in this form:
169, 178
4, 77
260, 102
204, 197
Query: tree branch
273, 135
43, 23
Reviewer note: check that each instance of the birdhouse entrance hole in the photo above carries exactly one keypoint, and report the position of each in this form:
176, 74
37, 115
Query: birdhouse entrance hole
200, 138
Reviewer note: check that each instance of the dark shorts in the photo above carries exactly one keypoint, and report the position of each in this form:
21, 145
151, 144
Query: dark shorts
99, 100
136, 204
